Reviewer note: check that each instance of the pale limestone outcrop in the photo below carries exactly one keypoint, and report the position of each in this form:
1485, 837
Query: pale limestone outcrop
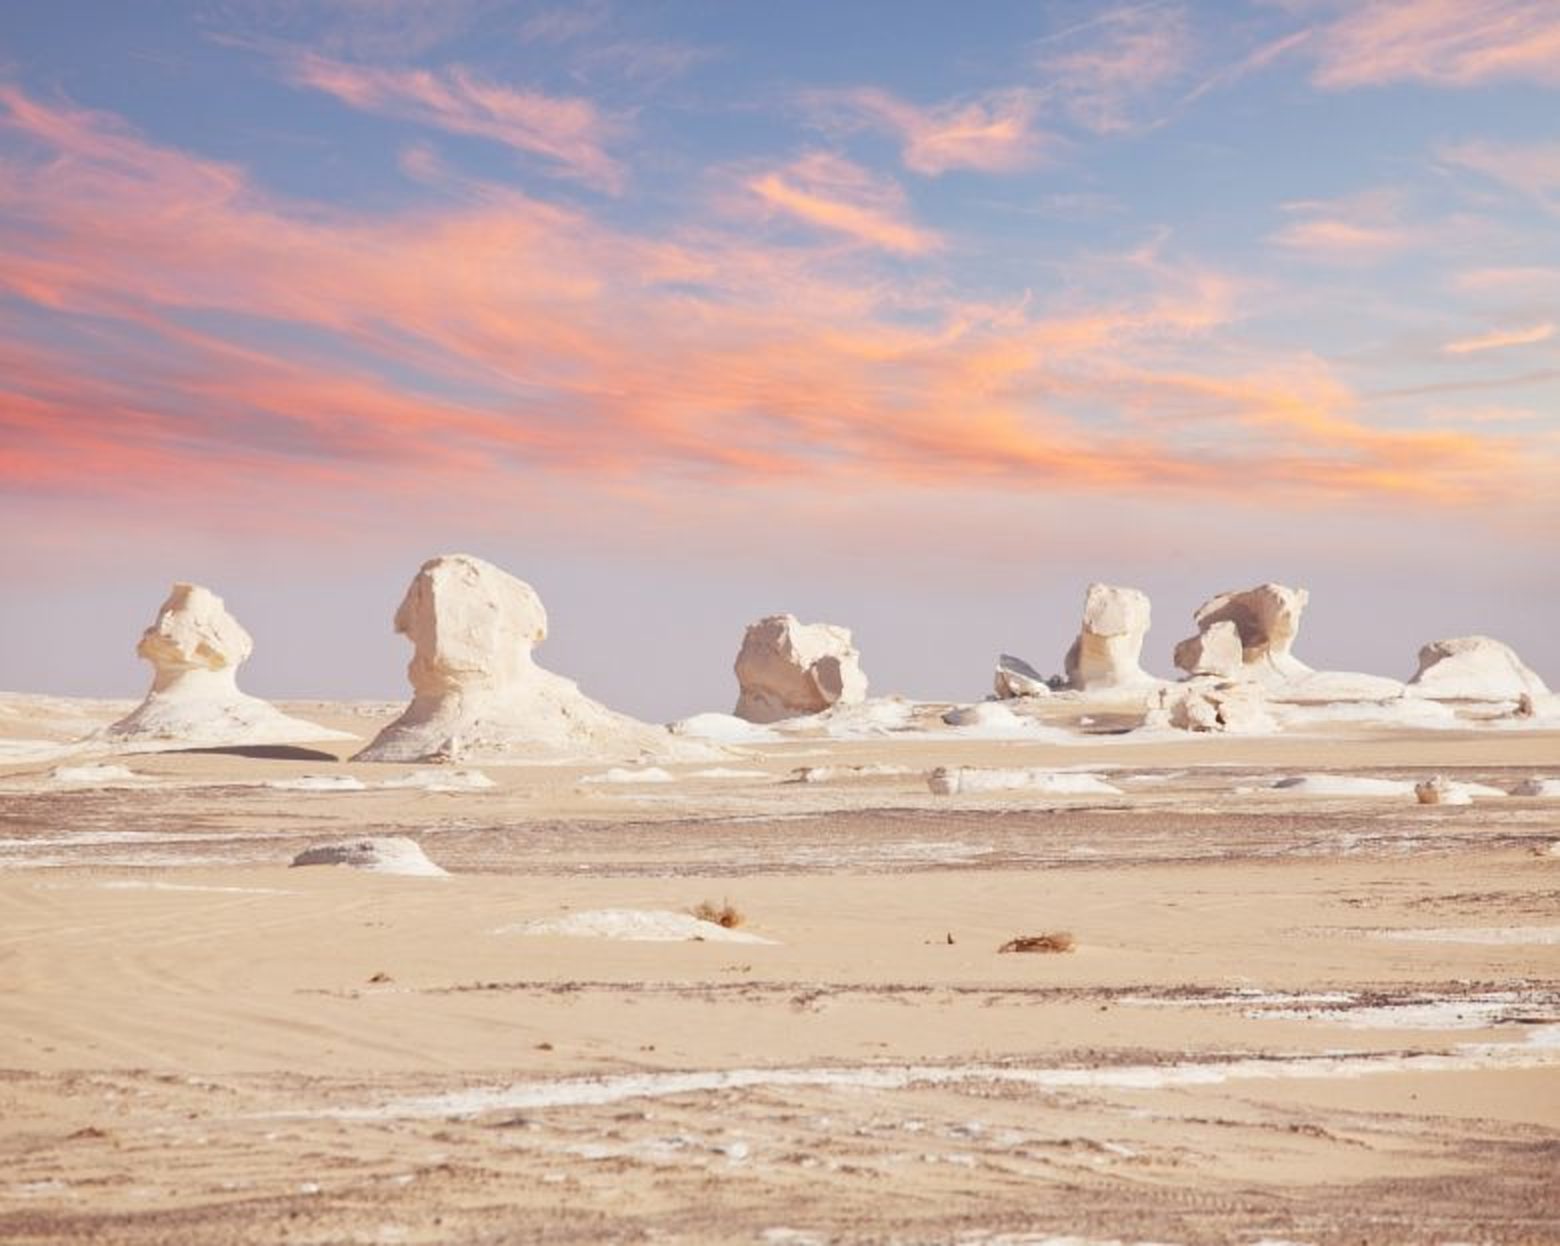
1208, 704
478, 693
1216, 650
382, 854
1266, 619
196, 647
1110, 640
1014, 678
1474, 668
786, 669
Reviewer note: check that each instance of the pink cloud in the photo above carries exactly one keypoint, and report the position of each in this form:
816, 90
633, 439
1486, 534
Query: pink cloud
1362, 228
1532, 168
1456, 43
568, 132
993, 133
835, 195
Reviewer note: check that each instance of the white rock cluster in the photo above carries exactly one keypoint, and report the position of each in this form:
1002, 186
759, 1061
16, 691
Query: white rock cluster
1247, 634
195, 648
786, 669
478, 694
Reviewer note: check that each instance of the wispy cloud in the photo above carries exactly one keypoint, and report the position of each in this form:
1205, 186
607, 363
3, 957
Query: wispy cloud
1532, 168
1454, 43
1357, 229
1105, 73
1499, 339
833, 194
568, 132
992, 133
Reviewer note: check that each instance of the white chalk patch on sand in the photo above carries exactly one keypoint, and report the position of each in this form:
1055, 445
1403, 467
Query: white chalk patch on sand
442, 781
1542, 1052
723, 729
961, 780
915, 852
137, 884
623, 774
318, 783
634, 925
1542, 788
1339, 785
992, 720
1475, 934
726, 772
100, 775
831, 774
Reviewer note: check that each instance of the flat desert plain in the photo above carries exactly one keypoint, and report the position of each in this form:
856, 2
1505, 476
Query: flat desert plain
1286, 1016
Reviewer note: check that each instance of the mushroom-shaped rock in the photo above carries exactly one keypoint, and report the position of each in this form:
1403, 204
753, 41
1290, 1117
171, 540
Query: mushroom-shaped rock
478, 694
1266, 620
384, 854
195, 648
1016, 678
1105, 655
786, 669
1474, 668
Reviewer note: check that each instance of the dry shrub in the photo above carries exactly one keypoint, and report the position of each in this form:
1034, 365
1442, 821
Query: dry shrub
1055, 941
723, 914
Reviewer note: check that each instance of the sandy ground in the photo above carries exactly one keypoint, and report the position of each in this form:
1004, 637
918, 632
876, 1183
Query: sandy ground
1286, 1018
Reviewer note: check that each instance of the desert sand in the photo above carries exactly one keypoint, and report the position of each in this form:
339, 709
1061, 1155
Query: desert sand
1320, 1012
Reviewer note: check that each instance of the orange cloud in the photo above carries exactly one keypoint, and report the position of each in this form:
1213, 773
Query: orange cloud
570, 133
994, 133
1455, 43
199, 329
833, 194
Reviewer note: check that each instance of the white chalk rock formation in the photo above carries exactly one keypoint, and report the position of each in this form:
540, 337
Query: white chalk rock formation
1215, 650
1234, 706
786, 669
1437, 791
1266, 620
1110, 641
1474, 668
1015, 678
383, 854
195, 648
478, 694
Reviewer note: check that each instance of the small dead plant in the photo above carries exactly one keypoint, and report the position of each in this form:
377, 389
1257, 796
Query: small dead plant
1054, 941
723, 914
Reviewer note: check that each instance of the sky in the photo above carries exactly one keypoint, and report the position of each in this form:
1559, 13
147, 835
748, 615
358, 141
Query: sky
906, 316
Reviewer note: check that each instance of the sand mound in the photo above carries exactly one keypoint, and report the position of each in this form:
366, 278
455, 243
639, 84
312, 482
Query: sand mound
477, 693
383, 854
196, 647
635, 925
